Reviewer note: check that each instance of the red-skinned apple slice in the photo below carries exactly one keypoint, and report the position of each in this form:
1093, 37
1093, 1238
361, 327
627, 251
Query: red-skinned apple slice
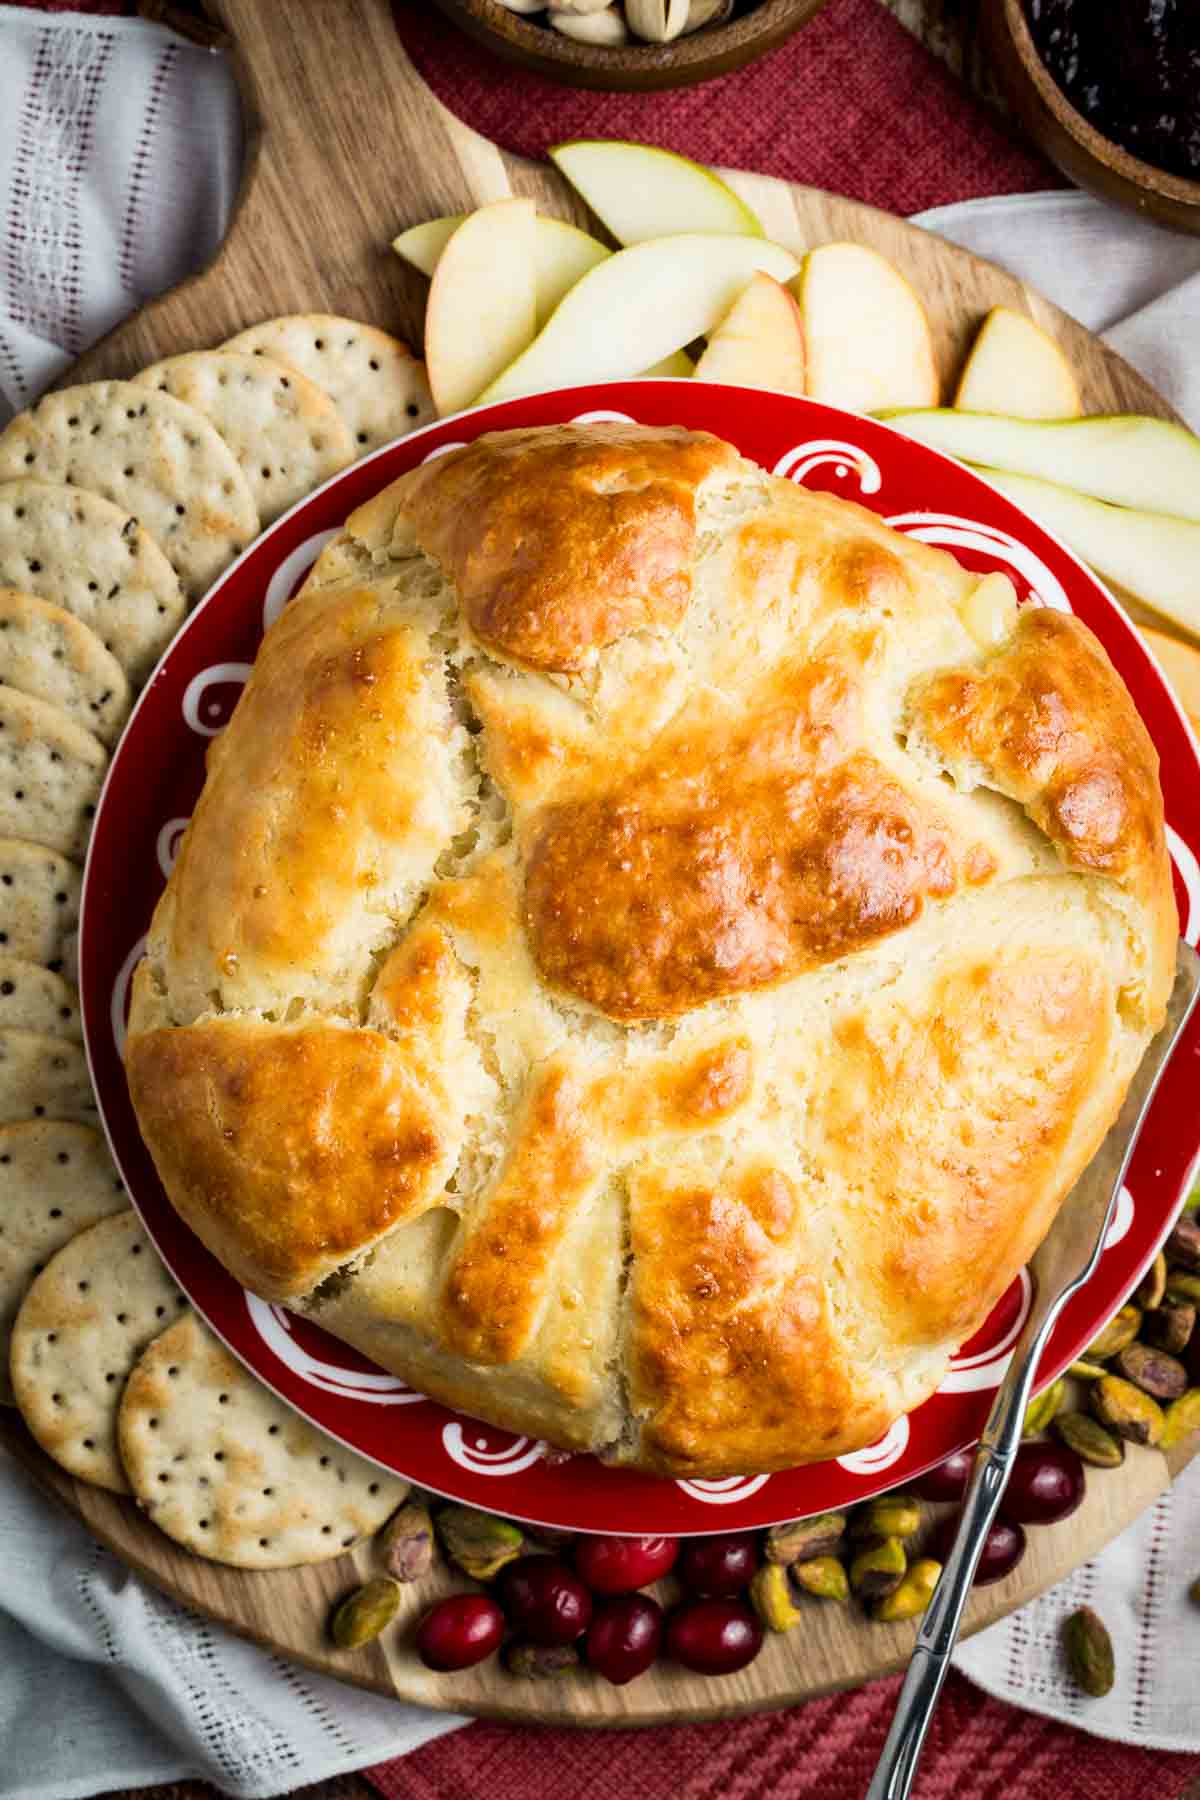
759, 342
562, 254
481, 313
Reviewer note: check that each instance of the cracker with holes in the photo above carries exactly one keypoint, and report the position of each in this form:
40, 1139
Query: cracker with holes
56, 1179
80, 552
81, 1328
43, 1077
377, 384
39, 902
51, 771
48, 653
229, 1471
287, 434
160, 460
36, 999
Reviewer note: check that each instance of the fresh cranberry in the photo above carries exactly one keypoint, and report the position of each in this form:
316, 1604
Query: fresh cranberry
1047, 1483
722, 1564
459, 1632
544, 1600
625, 1637
619, 1565
949, 1480
1003, 1550
713, 1637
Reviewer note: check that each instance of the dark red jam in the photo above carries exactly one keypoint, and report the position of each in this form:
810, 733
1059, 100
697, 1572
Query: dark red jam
1132, 68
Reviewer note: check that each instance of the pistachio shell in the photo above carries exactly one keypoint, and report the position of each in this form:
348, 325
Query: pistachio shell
606, 28
657, 21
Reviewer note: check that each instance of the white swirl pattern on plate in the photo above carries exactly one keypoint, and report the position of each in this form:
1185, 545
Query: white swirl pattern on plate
288, 573
377, 1389
985, 1368
798, 463
602, 418
118, 1005
475, 1455
880, 1455
215, 714
444, 450
949, 532
1122, 1219
166, 847
725, 1491
1184, 858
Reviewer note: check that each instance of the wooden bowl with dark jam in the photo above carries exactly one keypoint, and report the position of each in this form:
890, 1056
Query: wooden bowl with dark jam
1110, 91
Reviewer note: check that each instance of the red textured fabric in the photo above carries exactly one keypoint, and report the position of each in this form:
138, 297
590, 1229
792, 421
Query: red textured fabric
852, 103
978, 1749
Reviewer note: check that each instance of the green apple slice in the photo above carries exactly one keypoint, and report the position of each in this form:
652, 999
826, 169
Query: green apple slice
481, 311
639, 306
562, 255
1130, 460
1153, 556
1017, 369
866, 335
641, 192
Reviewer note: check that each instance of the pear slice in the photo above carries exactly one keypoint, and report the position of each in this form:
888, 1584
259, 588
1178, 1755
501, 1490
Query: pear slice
1017, 368
866, 335
637, 307
640, 192
1153, 556
481, 311
759, 342
562, 255
1180, 663
1130, 460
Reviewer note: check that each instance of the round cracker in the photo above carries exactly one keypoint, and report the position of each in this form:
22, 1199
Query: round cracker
159, 459
377, 384
39, 902
81, 552
46, 652
287, 434
43, 1077
51, 773
36, 999
230, 1471
80, 1329
56, 1179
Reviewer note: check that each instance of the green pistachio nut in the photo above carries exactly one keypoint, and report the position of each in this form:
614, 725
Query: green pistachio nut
824, 1577
363, 1614
1089, 1652
540, 1662
910, 1599
878, 1569
1182, 1419
889, 1515
771, 1597
1170, 1326
1161, 1376
1041, 1411
406, 1543
1125, 1409
1152, 1286
1090, 1440
1121, 1329
479, 1542
1087, 1371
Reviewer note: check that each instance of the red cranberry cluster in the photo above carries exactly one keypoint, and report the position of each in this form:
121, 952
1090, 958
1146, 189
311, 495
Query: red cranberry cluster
548, 1603
1046, 1484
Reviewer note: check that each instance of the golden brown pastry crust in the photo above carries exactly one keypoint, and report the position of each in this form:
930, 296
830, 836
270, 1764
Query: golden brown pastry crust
689, 935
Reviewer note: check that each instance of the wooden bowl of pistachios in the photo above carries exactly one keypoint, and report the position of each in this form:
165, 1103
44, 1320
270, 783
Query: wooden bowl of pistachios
630, 44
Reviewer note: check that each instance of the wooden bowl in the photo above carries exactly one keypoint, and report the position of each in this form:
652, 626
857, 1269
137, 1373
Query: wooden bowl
713, 50
1075, 146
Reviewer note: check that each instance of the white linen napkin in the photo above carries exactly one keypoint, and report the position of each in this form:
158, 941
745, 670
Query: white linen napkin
117, 176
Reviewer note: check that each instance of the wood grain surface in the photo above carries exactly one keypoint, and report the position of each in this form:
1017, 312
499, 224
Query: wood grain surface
347, 148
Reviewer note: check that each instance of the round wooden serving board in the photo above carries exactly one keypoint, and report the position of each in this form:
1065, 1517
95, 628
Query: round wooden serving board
347, 148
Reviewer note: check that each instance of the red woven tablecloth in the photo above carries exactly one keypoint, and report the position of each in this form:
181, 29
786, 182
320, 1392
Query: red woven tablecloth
854, 104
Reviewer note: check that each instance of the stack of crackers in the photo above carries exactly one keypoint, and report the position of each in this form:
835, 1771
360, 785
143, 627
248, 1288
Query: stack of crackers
120, 503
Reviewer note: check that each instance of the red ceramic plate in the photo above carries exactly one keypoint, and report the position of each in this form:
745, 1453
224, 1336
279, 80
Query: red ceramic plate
153, 785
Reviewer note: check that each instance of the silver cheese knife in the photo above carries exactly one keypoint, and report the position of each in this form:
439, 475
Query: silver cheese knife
1064, 1262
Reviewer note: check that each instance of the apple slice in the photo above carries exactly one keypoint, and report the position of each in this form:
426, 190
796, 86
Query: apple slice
1130, 460
1154, 556
562, 255
1180, 663
637, 307
641, 192
865, 332
678, 365
481, 310
1017, 368
759, 342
